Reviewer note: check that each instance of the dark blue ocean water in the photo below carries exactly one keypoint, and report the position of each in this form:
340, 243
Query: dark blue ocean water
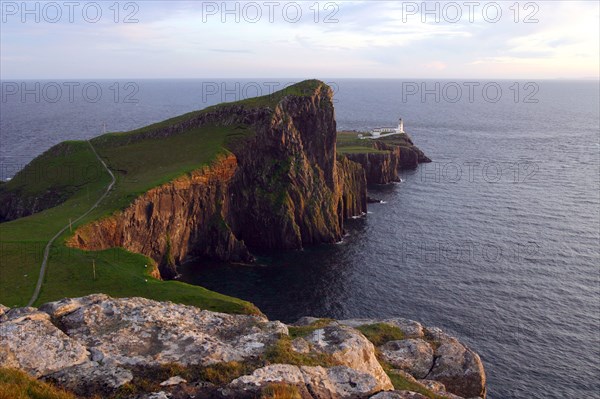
496, 241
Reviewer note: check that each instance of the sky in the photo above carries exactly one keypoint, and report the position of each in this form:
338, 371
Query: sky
302, 39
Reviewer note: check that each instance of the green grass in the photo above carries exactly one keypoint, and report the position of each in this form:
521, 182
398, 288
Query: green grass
401, 383
303, 331
380, 333
138, 167
139, 162
271, 100
281, 352
359, 150
16, 384
349, 143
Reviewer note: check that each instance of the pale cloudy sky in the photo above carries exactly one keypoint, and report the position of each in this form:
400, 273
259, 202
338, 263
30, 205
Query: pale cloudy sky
281, 39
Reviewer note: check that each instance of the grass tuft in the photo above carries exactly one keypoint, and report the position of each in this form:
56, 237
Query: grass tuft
380, 333
16, 384
281, 352
280, 391
303, 331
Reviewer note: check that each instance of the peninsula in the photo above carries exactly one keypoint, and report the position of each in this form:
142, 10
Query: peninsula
125, 210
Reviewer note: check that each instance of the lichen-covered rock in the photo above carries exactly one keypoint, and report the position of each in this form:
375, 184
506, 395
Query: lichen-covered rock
141, 331
312, 382
91, 377
103, 342
286, 373
300, 345
29, 341
414, 356
339, 382
434, 386
456, 366
350, 348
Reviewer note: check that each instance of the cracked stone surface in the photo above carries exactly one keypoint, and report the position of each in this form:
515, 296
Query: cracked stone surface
312, 382
414, 356
97, 344
350, 348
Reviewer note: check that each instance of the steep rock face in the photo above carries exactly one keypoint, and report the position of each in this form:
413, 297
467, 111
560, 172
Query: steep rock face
383, 167
380, 168
169, 223
353, 182
283, 188
290, 191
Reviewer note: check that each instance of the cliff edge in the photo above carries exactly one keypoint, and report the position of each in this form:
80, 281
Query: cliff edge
277, 186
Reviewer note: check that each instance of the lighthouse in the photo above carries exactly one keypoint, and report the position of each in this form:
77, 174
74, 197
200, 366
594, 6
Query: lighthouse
400, 126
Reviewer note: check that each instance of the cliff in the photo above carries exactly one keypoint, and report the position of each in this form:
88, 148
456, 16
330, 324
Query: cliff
382, 158
97, 346
277, 186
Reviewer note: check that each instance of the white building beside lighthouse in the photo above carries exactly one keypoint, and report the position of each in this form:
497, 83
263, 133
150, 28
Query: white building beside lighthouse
388, 131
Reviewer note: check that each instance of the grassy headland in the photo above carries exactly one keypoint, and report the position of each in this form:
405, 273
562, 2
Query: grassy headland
72, 172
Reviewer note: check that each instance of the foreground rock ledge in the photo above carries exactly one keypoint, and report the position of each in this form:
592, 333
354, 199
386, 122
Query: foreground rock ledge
102, 345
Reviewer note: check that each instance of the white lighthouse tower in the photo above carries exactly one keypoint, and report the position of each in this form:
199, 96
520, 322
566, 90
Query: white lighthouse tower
400, 126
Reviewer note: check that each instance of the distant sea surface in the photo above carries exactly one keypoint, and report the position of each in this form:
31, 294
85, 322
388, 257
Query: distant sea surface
496, 241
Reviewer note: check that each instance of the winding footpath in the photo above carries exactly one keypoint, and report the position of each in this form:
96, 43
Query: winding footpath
38, 286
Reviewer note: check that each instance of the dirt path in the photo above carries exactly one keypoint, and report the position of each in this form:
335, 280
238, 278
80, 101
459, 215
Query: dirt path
40, 281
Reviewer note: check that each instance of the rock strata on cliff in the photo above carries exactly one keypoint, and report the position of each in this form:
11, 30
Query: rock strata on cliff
97, 345
281, 187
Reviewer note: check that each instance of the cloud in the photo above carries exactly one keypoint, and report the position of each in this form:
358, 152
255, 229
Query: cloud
370, 39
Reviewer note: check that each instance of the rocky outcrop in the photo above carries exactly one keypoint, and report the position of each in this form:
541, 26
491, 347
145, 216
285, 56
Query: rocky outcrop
140, 331
96, 345
395, 153
459, 368
310, 382
29, 341
414, 356
349, 347
282, 188
432, 355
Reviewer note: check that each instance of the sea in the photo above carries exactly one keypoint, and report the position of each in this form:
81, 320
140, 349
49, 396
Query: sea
497, 241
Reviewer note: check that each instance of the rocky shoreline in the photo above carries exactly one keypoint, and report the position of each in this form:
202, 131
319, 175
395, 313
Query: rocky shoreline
139, 348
